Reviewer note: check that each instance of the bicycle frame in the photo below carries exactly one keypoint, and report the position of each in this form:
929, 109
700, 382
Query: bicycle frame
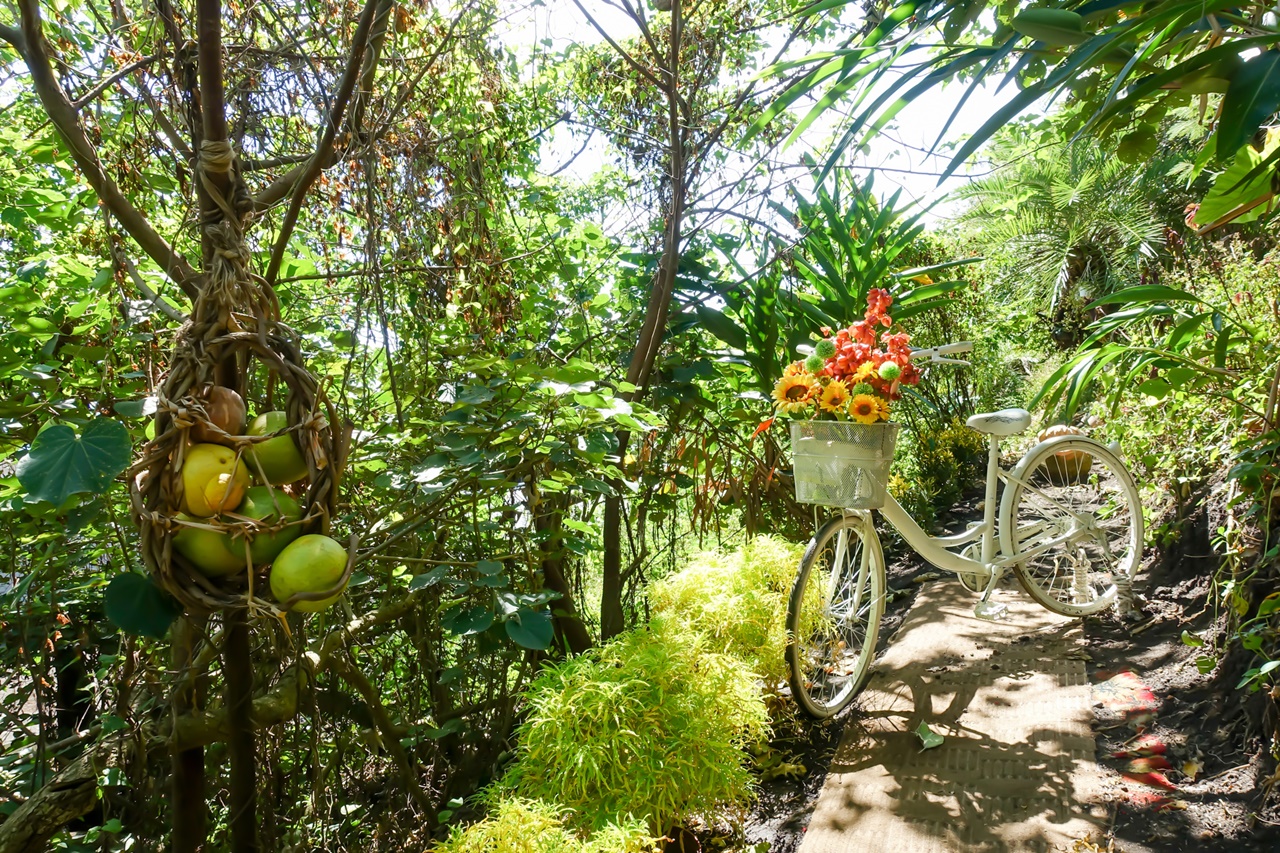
936, 549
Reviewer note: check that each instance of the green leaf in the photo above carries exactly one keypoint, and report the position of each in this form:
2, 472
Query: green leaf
1269, 605
62, 463
138, 606
1254, 95
1234, 189
427, 579
1143, 294
722, 327
1190, 639
450, 727
531, 629
928, 737
470, 620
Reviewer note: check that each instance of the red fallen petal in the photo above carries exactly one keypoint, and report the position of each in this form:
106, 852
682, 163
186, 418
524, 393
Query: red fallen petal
1146, 765
1155, 780
1141, 746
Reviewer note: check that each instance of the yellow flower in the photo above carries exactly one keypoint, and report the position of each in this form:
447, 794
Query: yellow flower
863, 373
795, 368
835, 397
794, 393
867, 409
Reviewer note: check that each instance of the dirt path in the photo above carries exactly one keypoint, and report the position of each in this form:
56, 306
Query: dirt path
1016, 770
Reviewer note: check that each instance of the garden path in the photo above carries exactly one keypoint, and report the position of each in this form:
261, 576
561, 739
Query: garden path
1015, 771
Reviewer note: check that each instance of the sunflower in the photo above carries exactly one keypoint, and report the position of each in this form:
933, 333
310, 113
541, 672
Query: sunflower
864, 372
866, 409
835, 397
794, 393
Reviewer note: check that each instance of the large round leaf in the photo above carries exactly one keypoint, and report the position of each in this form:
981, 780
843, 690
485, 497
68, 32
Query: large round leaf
137, 606
531, 629
62, 463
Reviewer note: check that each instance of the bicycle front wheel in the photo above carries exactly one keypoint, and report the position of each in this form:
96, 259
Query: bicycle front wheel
1077, 494
833, 619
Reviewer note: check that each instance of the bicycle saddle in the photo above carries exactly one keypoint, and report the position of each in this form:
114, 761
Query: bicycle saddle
1003, 422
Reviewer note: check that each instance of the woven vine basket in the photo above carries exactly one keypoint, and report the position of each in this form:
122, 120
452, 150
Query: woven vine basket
235, 331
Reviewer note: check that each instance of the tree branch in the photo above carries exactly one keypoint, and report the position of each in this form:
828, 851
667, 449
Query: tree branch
626, 57
64, 117
14, 37
88, 96
359, 43
347, 670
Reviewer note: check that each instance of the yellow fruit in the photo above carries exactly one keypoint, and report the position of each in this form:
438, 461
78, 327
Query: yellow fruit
213, 480
206, 550
260, 505
310, 563
226, 411
280, 459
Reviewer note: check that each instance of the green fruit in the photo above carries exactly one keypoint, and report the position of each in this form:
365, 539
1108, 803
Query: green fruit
890, 371
311, 563
208, 551
814, 363
278, 459
1057, 27
825, 349
260, 505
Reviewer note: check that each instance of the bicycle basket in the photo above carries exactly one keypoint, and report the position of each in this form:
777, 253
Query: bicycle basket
843, 465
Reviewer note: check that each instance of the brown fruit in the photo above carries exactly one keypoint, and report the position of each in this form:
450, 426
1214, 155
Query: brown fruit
226, 412
1066, 467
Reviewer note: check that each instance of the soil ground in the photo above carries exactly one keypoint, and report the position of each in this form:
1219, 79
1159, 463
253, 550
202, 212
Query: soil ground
1185, 754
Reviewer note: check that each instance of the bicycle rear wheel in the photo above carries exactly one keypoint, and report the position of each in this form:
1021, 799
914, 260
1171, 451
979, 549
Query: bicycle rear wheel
1077, 489
833, 619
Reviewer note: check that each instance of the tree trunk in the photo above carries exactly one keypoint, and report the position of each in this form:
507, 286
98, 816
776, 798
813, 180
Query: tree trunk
612, 618
188, 788
548, 517
242, 799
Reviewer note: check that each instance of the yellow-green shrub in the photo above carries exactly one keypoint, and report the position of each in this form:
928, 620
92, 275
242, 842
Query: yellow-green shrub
651, 725
530, 826
739, 600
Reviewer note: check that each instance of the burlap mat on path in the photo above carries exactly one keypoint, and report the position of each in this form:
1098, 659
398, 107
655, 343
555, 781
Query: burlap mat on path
1016, 771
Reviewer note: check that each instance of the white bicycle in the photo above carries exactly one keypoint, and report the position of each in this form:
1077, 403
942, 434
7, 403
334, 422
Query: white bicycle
1069, 525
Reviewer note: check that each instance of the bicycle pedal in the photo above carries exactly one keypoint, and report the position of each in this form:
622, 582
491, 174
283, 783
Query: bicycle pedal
992, 611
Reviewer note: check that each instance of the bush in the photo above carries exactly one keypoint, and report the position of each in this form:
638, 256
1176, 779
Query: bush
652, 724
934, 468
738, 600
530, 826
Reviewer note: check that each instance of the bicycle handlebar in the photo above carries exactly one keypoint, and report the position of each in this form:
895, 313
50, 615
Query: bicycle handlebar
937, 355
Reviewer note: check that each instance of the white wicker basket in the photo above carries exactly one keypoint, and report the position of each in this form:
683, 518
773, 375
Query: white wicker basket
842, 464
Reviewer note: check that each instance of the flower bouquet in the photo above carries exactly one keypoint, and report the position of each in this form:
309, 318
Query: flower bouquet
839, 399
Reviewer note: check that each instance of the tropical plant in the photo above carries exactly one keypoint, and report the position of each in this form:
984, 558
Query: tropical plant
1069, 226
850, 243
651, 725
531, 826
738, 600
1124, 65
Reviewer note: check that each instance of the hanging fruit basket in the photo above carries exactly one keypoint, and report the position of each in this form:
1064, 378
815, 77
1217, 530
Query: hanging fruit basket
217, 495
